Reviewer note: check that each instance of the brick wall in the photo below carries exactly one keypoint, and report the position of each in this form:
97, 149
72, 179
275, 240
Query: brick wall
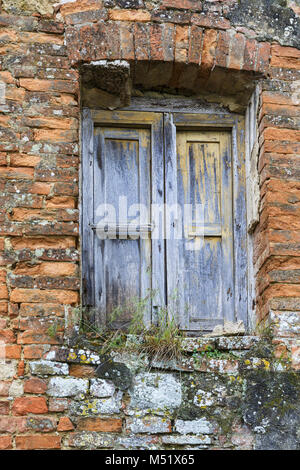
42, 48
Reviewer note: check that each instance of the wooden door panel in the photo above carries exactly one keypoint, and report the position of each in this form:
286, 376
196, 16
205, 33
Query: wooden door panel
122, 170
205, 250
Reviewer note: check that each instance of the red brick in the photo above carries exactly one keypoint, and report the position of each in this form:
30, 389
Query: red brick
100, 424
129, 15
142, 41
35, 441
272, 133
277, 98
209, 20
47, 269
156, 42
35, 385
279, 110
16, 173
7, 336
250, 54
181, 43
12, 424
222, 51
40, 188
127, 43
42, 242
279, 146
195, 44
12, 351
208, 50
65, 424
5, 442
78, 370
21, 368
285, 57
52, 122
237, 49
25, 405
55, 135
33, 352
36, 295
64, 86
80, 5
3, 292
33, 337
182, 4
4, 407
263, 57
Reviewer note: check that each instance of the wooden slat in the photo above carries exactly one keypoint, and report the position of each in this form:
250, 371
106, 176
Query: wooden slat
206, 230
87, 239
122, 170
240, 221
228, 292
158, 198
126, 118
203, 120
172, 256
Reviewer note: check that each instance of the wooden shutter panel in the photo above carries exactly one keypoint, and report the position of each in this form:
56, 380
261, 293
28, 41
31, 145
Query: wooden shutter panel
203, 278
123, 264
122, 156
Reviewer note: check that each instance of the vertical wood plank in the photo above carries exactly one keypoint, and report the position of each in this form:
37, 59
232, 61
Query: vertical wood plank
228, 285
158, 198
240, 221
145, 200
87, 250
172, 220
122, 170
99, 245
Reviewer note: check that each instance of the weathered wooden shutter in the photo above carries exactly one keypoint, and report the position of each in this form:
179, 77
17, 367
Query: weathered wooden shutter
201, 274
120, 265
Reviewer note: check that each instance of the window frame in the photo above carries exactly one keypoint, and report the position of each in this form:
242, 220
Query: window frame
165, 128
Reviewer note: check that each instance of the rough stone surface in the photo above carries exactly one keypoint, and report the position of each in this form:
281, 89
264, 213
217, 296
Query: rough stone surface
196, 426
44, 7
270, 19
101, 388
272, 409
118, 373
149, 425
7, 369
97, 406
186, 440
151, 391
91, 440
66, 387
48, 368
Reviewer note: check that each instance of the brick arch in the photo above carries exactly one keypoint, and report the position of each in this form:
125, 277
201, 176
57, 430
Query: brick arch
193, 57
167, 42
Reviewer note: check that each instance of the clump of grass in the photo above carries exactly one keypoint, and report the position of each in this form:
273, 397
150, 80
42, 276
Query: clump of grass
160, 341
265, 329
